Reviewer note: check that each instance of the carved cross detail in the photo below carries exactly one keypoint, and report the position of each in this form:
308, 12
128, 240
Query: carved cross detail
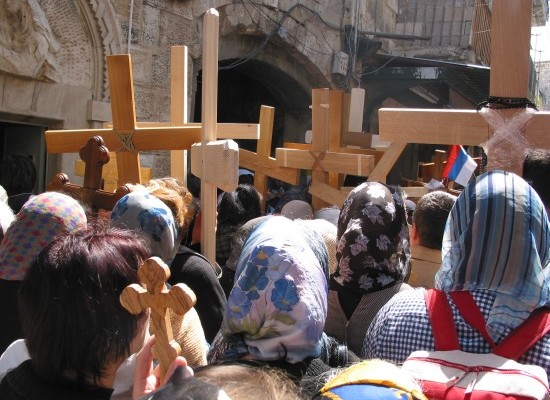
154, 294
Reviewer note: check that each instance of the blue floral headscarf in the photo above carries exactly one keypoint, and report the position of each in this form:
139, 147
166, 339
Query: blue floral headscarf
373, 250
278, 305
143, 211
497, 238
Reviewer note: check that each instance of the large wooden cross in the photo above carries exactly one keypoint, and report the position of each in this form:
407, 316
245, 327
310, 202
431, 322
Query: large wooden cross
127, 137
509, 78
216, 162
325, 153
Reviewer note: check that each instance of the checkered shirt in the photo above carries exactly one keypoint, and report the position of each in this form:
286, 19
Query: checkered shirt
402, 326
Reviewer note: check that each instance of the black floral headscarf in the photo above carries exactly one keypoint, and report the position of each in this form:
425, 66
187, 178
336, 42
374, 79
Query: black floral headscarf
373, 240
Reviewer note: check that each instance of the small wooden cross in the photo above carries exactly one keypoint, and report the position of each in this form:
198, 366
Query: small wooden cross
153, 274
95, 155
510, 44
321, 159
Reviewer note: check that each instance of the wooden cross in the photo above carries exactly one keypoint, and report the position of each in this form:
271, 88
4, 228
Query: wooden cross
510, 44
153, 294
261, 162
95, 155
126, 136
321, 159
215, 162
179, 113
110, 172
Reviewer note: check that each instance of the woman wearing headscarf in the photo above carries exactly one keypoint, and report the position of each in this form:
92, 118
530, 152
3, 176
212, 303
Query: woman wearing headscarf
496, 246
373, 258
277, 308
39, 222
149, 217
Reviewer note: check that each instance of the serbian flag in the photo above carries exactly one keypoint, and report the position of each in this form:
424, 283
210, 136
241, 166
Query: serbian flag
460, 166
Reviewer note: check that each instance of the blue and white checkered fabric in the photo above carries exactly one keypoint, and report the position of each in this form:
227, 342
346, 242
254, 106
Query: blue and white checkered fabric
402, 326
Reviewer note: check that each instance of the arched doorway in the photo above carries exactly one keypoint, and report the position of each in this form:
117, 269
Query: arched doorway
244, 88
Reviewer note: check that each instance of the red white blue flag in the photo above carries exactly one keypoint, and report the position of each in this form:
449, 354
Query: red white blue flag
460, 166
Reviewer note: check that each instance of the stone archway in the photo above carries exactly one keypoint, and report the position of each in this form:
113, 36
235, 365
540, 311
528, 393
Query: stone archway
243, 89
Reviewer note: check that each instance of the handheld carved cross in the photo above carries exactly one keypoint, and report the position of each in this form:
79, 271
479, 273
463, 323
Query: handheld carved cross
95, 155
153, 274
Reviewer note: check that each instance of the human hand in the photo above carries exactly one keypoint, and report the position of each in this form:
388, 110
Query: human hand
146, 378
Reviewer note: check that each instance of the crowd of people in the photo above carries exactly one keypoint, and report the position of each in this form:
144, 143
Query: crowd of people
300, 303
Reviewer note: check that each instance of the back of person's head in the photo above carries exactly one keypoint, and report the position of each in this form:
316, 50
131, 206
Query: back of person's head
297, 209
73, 322
239, 206
373, 250
497, 238
329, 214
371, 379
176, 196
536, 170
243, 382
227, 381
145, 213
17, 174
278, 305
40, 220
430, 217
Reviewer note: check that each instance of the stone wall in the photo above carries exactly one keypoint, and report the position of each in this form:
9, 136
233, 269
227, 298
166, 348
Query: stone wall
543, 69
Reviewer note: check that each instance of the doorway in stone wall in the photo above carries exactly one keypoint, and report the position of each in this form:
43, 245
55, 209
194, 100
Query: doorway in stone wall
244, 88
28, 140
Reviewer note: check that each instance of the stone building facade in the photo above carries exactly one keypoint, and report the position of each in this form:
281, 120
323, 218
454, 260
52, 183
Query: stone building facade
273, 52
543, 69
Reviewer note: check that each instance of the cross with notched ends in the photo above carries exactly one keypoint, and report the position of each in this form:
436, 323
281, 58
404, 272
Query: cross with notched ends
154, 294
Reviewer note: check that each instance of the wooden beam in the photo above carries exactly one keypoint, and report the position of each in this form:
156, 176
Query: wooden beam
510, 38
178, 108
412, 125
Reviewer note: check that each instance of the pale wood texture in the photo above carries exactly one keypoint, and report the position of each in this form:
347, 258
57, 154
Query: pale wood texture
94, 156
383, 167
153, 294
125, 138
510, 37
510, 46
261, 162
325, 156
178, 108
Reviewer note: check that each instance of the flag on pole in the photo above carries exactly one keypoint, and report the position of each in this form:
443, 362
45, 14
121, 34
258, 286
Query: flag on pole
460, 166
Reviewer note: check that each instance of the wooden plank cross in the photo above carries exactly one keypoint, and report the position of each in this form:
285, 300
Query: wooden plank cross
216, 162
326, 114
509, 78
261, 162
95, 155
127, 137
153, 294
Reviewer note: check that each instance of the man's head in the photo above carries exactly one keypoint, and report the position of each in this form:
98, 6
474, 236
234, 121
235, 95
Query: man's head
430, 217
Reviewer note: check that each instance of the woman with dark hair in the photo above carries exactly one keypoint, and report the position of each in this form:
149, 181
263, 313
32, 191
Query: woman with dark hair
373, 260
234, 210
76, 331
